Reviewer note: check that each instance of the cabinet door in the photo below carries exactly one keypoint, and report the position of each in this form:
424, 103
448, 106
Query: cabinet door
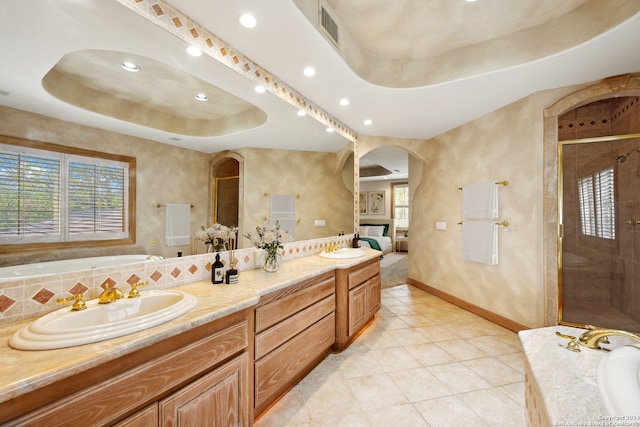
374, 295
144, 418
358, 312
218, 399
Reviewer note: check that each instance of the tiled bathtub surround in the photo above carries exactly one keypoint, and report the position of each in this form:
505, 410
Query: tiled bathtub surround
29, 298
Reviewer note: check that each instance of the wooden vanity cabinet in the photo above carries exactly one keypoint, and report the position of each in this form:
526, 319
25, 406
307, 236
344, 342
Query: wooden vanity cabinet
294, 331
200, 377
358, 296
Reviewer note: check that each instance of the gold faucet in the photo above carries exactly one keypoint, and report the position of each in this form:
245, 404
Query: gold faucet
134, 292
110, 295
333, 248
594, 337
78, 302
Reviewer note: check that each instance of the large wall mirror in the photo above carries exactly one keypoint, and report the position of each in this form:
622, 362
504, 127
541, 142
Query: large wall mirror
102, 107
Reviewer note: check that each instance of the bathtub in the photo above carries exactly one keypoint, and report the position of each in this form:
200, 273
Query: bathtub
70, 265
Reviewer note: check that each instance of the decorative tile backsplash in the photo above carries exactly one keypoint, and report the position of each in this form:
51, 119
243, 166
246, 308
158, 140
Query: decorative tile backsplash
23, 299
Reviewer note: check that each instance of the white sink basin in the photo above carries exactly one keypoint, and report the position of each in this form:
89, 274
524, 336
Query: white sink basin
619, 380
343, 253
99, 322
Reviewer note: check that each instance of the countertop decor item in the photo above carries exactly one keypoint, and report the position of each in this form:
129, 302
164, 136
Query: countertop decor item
270, 238
216, 236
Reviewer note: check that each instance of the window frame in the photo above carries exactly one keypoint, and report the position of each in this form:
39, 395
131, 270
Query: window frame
594, 191
130, 237
393, 202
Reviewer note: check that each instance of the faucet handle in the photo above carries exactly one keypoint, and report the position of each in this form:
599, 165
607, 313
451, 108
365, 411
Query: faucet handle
573, 342
78, 302
134, 292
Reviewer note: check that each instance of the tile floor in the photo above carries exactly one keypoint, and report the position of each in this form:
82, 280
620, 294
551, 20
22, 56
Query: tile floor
422, 362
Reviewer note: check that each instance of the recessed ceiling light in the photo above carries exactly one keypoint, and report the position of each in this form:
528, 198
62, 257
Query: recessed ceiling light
247, 20
344, 102
194, 51
202, 97
260, 89
329, 130
470, 1
130, 66
367, 122
309, 72
301, 113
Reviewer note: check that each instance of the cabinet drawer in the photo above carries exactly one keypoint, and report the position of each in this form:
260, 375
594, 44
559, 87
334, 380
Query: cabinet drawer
280, 369
278, 334
363, 274
288, 305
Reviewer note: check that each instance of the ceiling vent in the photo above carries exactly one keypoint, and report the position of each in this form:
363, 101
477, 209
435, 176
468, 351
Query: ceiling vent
329, 25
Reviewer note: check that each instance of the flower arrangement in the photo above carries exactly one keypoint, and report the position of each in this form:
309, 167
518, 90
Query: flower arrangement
269, 237
216, 236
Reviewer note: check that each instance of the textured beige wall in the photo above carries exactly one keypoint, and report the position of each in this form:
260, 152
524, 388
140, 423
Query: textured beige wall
504, 145
323, 194
165, 174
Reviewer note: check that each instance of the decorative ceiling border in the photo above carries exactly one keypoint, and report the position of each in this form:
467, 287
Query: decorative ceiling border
184, 27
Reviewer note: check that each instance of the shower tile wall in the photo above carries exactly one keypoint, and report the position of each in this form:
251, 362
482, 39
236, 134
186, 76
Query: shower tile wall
602, 275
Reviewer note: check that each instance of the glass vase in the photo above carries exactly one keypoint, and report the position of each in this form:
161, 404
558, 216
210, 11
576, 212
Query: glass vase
272, 260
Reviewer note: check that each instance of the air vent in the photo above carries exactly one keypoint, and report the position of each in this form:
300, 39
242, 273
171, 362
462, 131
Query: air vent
329, 25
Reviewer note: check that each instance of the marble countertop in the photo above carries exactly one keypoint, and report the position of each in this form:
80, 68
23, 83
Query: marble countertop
566, 379
24, 371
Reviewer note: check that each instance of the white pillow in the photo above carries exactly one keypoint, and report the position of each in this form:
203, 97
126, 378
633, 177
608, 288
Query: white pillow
376, 231
364, 230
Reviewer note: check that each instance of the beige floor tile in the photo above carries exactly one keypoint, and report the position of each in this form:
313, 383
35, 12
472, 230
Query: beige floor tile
290, 409
403, 415
437, 333
458, 378
513, 360
349, 420
429, 354
403, 310
494, 371
329, 400
409, 336
448, 412
495, 408
515, 392
462, 349
356, 365
417, 320
494, 347
394, 359
419, 384
375, 391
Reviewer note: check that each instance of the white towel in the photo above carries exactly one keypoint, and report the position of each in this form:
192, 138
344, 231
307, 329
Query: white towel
480, 242
480, 200
177, 230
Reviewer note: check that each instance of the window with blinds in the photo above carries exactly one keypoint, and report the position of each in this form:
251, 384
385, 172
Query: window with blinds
54, 196
401, 205
596, 196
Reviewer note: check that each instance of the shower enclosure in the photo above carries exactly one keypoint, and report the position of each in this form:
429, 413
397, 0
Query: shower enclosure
599, 195
600, 260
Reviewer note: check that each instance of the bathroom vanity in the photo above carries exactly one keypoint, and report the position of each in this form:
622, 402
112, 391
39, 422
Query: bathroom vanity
228, 359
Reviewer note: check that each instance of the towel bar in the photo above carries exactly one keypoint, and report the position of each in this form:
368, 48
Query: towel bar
162, 205
505, 183
502, 223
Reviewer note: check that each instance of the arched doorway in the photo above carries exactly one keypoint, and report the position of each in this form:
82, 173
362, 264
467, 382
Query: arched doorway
615, 87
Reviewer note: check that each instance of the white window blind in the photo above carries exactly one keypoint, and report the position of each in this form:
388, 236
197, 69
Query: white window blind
48, 196
596, 194
401, 205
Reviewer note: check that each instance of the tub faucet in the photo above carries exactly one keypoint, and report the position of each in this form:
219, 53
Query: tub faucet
110, 295
594, 337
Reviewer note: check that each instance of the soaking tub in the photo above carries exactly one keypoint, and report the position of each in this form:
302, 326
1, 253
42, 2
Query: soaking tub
70, 265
